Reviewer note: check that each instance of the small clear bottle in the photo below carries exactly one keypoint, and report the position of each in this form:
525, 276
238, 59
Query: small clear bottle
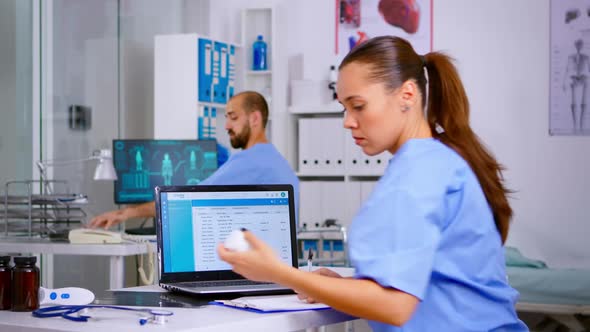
25, 284
5, 283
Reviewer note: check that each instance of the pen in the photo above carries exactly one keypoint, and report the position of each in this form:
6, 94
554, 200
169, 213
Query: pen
309, 258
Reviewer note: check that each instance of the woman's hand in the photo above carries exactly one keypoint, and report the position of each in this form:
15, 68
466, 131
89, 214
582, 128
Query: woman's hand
259, 263
321, 271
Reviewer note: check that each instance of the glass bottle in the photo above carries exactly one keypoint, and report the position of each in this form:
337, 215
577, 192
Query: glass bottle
25, 284
5, 283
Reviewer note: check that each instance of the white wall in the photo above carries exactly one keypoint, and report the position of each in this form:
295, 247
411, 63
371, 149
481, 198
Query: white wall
502, 51
503, 57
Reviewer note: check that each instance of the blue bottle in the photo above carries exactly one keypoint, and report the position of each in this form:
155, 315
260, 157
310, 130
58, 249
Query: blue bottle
259, 54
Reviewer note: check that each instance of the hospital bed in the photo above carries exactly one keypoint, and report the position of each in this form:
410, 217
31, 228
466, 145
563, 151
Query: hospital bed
558, 297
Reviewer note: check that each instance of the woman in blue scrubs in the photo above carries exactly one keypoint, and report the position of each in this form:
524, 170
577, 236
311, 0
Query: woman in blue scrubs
427, 243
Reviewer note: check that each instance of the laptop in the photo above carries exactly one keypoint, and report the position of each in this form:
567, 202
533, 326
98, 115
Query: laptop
192, 220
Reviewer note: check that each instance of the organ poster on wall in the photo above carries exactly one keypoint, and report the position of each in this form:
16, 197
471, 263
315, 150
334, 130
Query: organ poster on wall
358, 20
570, 68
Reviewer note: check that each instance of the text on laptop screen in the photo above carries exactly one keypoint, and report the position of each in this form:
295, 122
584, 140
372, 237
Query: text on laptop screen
194, 223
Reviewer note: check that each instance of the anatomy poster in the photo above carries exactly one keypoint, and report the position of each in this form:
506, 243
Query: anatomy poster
570, 68
358, 20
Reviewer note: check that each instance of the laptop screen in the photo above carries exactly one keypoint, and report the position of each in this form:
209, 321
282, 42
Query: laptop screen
194, 220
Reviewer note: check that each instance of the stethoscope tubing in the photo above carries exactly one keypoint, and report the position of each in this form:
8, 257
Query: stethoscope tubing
67, 311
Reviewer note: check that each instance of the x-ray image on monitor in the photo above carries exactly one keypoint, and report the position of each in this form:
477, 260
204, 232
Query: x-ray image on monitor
143, 164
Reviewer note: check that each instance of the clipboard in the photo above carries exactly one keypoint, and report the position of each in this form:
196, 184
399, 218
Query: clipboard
270, 304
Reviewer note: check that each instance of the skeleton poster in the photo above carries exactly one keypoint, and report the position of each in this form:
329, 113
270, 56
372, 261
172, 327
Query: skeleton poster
570, 68
358, 20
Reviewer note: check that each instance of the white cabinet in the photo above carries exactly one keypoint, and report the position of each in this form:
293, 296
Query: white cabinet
194, 76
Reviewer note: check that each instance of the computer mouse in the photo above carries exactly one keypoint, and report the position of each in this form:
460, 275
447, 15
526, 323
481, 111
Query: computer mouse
236, 241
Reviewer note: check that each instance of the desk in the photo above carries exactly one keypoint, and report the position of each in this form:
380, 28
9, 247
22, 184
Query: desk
209, 318
206, 318
47, 249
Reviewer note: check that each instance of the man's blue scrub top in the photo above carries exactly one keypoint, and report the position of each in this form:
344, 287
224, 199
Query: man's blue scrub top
428, 230
260, 164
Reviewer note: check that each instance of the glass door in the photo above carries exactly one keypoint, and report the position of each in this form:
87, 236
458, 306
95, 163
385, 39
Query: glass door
97, 85
80, 112
16, 83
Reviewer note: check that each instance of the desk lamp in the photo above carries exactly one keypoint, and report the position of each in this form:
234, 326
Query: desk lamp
104, 170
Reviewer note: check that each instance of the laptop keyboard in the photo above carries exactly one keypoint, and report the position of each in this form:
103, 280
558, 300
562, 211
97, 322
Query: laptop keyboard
223, 283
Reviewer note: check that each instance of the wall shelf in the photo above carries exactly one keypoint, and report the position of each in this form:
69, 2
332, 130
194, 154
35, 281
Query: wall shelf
332, 108
328, 177
259, 72
217, 105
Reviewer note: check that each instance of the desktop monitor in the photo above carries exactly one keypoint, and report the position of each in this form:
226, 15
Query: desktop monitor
142, 164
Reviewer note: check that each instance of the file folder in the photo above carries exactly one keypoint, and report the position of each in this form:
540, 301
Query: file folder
203, 113
231, 85
309, 203
323, 144
207, 123
332, 139
220, 85
213, 123
205, 74
305, 145
317, 146
215, 75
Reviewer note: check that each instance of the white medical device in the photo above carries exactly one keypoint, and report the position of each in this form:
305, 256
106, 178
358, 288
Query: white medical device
66, 295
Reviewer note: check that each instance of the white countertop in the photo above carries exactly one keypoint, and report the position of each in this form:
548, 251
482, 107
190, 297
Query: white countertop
207, 318
45, 246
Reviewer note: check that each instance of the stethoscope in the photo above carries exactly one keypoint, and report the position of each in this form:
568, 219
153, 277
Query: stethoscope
78, 313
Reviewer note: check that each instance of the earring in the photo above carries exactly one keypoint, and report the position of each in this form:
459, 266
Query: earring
405, 108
